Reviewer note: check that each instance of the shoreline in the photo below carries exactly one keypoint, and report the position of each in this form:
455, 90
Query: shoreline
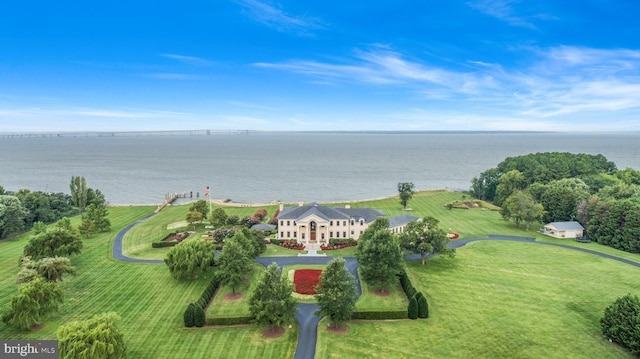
272, 203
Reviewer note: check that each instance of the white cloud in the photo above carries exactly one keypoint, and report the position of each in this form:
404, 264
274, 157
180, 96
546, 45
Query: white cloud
277, 19
189, 60
505, 10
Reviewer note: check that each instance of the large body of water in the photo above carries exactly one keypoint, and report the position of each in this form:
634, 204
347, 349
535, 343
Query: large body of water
291, 167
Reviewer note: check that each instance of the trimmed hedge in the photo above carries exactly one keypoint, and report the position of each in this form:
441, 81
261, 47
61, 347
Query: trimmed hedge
163, 244
413, 308
199, 318
380, 315
228, 320
423, 306
192, 319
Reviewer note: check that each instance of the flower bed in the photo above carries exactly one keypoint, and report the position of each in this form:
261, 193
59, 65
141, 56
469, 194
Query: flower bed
452, 235
306, 280
341, 246
289, 244
178, 237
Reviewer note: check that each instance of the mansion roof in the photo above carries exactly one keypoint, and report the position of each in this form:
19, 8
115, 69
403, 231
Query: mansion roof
330, 213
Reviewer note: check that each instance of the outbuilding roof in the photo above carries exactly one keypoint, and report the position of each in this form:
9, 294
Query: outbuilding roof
401, 220
566, 226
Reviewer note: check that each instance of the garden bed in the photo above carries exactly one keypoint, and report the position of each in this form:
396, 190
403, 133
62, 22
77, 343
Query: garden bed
306, 280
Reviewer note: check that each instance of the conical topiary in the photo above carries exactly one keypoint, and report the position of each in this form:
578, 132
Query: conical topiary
189, 315
199, 317
413, 308
423, 306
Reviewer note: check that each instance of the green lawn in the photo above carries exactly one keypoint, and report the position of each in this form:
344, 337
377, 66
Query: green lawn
396, 300
221, 307
499, 300
150, 302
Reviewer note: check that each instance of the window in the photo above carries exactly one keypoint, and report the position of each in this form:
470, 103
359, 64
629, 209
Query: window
303, 235
344, 223
352, 233
337, 223
288, 223
294, 223
322, 236
362, 222
281, 234
331, 223
282, 223
344, 234
360, 232
288, 234
352, 222
337, 234
295, 234
330, 234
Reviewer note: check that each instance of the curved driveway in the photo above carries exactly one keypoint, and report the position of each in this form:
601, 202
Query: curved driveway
307, 320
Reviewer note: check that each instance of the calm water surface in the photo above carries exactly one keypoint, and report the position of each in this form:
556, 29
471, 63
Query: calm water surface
263, 167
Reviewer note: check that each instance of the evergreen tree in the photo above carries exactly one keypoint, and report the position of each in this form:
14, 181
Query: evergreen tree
78, 188
336, 293
98, 337
621, 322
199, 316
413, 308
189, 315
271, 302
423, 306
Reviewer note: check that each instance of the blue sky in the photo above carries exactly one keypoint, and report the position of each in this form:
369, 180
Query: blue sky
320, 65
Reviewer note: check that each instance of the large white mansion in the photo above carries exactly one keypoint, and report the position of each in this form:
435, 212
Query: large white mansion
316, 224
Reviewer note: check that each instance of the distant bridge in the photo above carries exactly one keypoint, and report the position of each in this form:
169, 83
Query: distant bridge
126, 133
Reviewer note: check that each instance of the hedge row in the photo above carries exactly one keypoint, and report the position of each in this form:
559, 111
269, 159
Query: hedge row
228, 320
418, 305
194, 314
380, 315
163, 244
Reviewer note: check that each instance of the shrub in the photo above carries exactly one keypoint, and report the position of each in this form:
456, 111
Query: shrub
423, 306
189, 315
260, 214
380, 315
199, 318
163, 244
413, 308
411, 292
621, 322
228, 320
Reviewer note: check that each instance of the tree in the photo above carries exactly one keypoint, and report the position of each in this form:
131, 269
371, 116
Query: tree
189, 257
34, 300
194, 217
189, 316
423, 306
234, 262
379, 256
86, 228
199, 316
56, 241
201, 207
218, 217
424, 237
508, 183
78, 188
520, 206
98, 337
50, 269
12, 216
413, 308
98, 214
560, 198
271, 302
405, 190
336, 293
621, 322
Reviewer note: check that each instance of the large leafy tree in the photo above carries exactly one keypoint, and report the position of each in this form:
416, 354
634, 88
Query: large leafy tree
424, 237
218, 217
189, 258
59, 240
200, 206
621, 321
34, 300
98, 337
521, 207
194, 217
560, 198
509, 183
234, 262
379, 255
405, 190
12, 216
336, 293
51, 269
271, 302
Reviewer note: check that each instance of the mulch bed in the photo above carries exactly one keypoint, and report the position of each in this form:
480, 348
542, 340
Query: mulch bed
381, 293
231, 296
338, 330
306, 280
270, 332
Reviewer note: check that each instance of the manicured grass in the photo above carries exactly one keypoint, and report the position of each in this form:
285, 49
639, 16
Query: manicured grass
396, 300
277, 251
221, 307
150, 302
499, 300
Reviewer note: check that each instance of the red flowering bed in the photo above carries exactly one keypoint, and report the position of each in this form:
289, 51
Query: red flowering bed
453, 235
328, 248
306, 280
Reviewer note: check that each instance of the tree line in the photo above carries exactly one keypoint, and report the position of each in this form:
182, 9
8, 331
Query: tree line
555, 187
